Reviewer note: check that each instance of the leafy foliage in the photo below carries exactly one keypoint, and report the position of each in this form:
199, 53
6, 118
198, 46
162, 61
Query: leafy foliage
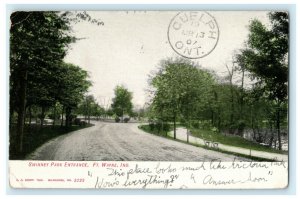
121, 103
38, 76
266, 58
266, 55
181, 90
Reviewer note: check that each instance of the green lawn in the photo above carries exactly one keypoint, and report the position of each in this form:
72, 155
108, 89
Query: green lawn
147, 129
35, 137
218, 137
232, 140
155, 131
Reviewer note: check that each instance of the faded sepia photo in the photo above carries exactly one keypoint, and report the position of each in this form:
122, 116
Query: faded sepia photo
158, 86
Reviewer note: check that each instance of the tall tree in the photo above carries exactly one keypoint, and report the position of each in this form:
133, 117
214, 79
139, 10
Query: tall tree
89, 107
121, 103
38, 43
266, 58
224, 98
37, 39
180, 90
73, 84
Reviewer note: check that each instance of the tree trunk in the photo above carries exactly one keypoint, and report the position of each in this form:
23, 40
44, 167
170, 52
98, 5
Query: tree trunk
242, 95
89, 116
162, 126
88, 110
187, 133
268, 131
68, 116
271, 140
272, 135
275, 143
42, 116
219, 124
21, 110
187, 127
11, 111
219, 119
212, 118
174, 126
231, 114
36, 117
30, 115
241, 114
62, 116
230, 73
252, 123
54, 116
278, 127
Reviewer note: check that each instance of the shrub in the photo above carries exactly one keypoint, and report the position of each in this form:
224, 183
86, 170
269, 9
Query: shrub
117, 119
165, 126
152, 126
214, 129
195, 124
206, 124
126, 119
51, 116
77, 121
82, 123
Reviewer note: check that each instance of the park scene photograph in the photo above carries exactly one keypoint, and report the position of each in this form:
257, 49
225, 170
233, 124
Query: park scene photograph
182, 86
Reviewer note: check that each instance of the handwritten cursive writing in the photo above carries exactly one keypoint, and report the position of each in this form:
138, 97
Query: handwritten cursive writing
214, 173
151, 179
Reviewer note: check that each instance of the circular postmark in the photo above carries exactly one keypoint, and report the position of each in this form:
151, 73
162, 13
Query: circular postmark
193, 34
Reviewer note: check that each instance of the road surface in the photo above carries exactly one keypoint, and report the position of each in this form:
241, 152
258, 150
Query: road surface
121, 141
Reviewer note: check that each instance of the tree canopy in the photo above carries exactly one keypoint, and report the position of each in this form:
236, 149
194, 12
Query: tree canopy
39, 77
121, 103
266, 55
266, 58
181, 90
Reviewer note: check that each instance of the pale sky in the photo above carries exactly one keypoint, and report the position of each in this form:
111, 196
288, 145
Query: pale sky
131, 44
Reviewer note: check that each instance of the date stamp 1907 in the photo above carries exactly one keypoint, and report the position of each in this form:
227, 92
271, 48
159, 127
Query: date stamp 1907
193, 34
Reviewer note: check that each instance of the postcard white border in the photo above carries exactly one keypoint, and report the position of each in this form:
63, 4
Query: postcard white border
292, 10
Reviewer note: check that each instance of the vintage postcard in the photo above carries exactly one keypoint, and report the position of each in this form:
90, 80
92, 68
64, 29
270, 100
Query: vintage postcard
149, 99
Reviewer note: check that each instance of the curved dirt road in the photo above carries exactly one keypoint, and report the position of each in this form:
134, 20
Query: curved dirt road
118, 141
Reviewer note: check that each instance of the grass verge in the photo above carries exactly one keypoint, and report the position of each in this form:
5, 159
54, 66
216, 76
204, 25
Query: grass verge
232, 141
154, 131
164, 134
34, 137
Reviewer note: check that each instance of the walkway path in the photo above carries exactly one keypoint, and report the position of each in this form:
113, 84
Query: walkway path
181, 135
